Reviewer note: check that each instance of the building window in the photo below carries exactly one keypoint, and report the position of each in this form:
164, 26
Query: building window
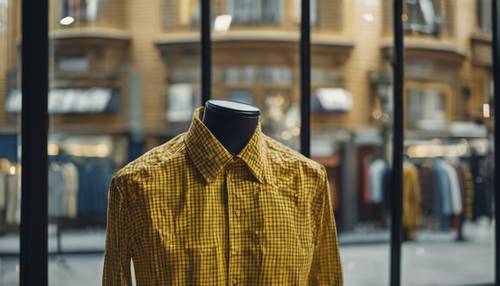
423, 16
426, 110
73, 64
255, 11
243, 96
182, 100
313, 11
189, 12
183, 93
276, 75
78, 10
240, 75
483, 10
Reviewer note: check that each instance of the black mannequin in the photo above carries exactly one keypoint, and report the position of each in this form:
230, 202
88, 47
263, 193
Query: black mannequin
232, 123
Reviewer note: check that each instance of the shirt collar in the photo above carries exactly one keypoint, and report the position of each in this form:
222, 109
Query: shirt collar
210, 156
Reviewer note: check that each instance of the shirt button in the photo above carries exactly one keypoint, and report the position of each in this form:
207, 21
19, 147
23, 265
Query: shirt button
237, 213
233, 252
235, 281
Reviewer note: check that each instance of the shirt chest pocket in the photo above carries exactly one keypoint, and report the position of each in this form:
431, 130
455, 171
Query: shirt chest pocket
285, 216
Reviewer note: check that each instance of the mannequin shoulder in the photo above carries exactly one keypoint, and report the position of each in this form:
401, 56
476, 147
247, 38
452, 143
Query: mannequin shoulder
287, 163
145, 164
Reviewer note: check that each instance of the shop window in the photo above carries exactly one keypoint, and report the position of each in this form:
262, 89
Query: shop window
78, 10
426, 110
255, 11
483, 9
423, 16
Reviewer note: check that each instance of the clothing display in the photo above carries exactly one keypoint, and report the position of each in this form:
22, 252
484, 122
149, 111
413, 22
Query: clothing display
448, 192
63, 189
77, 187
10, 199
412, 198
377, 172
188, 212
93, 181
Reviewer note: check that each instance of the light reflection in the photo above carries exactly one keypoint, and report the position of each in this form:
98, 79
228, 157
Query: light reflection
222, 23
67, 21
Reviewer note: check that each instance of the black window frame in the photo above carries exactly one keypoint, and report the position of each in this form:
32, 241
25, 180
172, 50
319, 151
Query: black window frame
34, 129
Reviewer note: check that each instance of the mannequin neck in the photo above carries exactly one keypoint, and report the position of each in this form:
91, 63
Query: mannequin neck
233, 130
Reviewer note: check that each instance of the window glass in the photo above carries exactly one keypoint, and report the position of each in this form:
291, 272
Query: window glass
423, 16
10, 140
351, 123
427, 109
255, 11
484, 22
448, 168
79, 10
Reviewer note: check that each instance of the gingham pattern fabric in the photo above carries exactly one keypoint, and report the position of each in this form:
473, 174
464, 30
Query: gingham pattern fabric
188, 212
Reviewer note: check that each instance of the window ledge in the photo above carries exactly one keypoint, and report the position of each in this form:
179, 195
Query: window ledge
258, 35
441, 46
102, 33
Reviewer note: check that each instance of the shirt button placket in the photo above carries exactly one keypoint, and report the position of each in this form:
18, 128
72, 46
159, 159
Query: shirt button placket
232, 205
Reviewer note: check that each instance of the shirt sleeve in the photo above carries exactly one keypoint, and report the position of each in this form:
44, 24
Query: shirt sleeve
117, 250
326, 265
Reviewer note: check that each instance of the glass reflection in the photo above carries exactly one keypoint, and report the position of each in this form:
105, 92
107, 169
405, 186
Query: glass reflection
448, 168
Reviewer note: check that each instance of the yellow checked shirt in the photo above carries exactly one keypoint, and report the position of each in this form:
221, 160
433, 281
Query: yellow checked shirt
188, 212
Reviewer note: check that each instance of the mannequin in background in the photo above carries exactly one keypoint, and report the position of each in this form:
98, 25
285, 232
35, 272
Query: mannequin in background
231, 122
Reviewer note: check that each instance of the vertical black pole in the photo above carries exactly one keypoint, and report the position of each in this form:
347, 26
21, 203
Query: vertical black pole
305, 80
206, 52
397, 143
34, 128
496, 91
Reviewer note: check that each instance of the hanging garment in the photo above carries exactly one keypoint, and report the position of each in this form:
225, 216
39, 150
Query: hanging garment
93, 182
486, 170
412, 198
455, 195
11, 199
365, 182
480, 174
442, 200
188, 212
56, 190
2, 191
468, 192
70, 198
377, 171
427, 187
